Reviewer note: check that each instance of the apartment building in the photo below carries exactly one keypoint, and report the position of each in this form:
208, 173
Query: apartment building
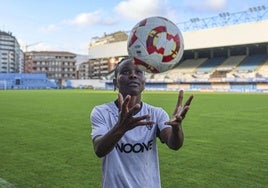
108, 38
11, 60
99, 67
85, 70
56, 65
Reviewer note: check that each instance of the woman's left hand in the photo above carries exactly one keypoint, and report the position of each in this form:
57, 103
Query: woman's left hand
180, 110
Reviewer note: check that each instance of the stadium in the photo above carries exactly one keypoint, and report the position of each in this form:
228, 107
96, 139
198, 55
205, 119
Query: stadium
45, 132
223, 53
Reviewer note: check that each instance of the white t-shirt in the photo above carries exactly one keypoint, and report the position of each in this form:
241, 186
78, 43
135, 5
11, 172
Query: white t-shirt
133, 163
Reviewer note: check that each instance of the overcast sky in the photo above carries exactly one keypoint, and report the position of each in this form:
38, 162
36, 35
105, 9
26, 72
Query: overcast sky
69, 25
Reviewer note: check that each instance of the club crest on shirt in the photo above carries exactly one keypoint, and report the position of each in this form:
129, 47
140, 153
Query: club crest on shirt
149, 127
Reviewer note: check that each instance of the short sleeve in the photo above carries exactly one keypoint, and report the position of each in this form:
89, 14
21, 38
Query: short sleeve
162, 118
98, 124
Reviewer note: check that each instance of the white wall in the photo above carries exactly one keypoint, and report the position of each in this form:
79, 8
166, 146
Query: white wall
87, 83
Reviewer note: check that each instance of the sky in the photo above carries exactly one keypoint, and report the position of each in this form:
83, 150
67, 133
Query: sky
69, 25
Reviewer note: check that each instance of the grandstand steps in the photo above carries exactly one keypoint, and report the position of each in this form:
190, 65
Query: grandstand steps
248, 67
251, 63
218, 74
262, 70
189, 65
210, 65
231, 63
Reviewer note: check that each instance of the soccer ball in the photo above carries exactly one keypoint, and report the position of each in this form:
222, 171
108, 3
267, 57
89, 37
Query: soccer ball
156, 44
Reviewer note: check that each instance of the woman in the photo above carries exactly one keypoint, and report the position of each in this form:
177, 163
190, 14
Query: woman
124, 132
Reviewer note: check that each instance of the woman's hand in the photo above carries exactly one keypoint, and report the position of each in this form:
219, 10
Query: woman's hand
180, 110
126, 119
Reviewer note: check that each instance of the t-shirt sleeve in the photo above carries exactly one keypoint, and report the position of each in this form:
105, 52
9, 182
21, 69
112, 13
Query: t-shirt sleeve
163, 117
98, 123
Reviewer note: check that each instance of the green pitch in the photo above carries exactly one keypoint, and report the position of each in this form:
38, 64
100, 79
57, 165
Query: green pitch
45, 139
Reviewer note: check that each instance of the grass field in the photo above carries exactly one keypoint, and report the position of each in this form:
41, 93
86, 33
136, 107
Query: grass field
45, 140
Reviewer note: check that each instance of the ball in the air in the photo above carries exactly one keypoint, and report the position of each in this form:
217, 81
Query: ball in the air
156, 44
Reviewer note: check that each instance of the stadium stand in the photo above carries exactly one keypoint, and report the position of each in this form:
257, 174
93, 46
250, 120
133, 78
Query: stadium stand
210, 64
251, 63
248, 68
263, 70
230, 63
186, 69
25, 81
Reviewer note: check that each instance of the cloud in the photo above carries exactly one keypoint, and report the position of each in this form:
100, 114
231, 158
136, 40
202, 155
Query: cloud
135, 10
50, 28
208, 6
31, 46
215, 5
91, 18
41, 47
80, 20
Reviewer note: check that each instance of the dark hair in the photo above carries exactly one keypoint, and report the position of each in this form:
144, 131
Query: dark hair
122, 60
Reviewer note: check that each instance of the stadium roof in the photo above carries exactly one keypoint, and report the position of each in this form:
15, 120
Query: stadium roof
230, 35
247, 33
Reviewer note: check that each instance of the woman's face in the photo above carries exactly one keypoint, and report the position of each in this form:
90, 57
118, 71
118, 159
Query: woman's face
130, 79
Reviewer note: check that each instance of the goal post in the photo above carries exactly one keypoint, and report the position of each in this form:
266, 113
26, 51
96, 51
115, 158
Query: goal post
3, 84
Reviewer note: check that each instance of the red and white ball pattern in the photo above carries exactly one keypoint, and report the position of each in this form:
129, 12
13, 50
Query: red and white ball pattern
156, 44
